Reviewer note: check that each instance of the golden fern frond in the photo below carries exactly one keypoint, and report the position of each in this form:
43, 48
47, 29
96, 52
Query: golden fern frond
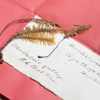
44, 32
76, 29
45, 26
38, 37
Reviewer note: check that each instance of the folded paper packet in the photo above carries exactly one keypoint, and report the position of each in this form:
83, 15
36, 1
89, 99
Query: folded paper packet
66, 13
13, 84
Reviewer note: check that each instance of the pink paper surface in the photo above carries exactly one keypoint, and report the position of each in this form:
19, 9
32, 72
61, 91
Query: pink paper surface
73, 12
14, 84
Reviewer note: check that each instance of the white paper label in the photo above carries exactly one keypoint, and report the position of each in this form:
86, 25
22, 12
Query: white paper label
72, 71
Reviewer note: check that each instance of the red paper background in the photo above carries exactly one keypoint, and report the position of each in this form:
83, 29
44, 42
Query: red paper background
14, 84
